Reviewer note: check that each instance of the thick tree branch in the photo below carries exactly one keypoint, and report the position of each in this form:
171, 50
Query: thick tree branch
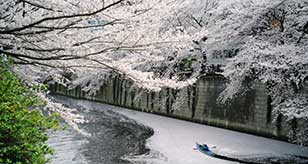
59, 57
10, 31
73, 27
11, 47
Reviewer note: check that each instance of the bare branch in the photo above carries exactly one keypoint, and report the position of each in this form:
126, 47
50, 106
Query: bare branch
87, 41
36, 5
197, 21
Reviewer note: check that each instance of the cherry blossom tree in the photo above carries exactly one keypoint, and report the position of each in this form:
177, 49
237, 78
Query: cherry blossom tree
36, 31
166, 43
272, 48
120, 35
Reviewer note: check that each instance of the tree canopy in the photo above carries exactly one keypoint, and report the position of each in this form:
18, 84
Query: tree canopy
165, 43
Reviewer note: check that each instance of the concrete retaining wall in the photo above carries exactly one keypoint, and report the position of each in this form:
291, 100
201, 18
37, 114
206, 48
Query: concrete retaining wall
249, 113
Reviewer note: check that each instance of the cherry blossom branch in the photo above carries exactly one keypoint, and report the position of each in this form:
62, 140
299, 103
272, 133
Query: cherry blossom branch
10, 31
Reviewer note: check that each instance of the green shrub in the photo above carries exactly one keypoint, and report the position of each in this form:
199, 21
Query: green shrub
22, 126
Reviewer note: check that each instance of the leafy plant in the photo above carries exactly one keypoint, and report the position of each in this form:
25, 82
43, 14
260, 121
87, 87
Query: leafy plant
22, 125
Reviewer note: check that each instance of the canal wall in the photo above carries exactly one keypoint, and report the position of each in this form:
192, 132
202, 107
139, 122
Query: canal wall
250, 113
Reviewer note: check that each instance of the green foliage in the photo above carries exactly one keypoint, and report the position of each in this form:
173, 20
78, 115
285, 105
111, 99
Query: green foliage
22, 125
184, 68
185, 64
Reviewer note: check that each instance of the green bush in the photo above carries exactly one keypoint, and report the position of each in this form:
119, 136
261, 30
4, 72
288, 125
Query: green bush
22, 126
